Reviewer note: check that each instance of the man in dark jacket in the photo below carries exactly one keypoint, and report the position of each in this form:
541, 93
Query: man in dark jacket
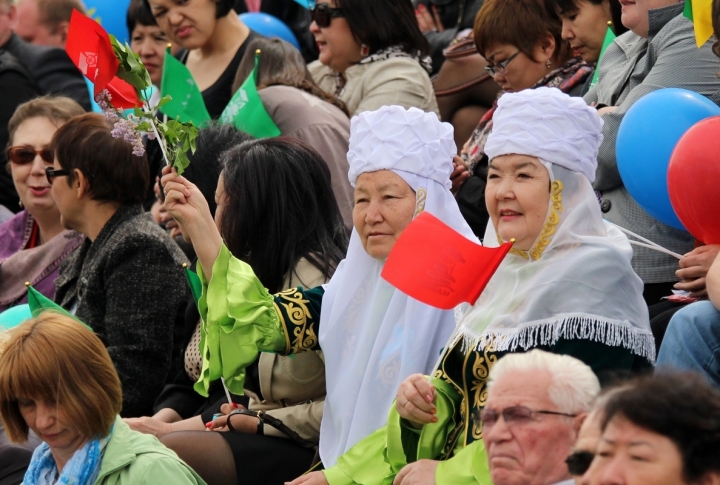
50, 68
14, 79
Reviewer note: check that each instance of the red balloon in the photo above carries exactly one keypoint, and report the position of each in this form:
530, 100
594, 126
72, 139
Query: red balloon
694, 180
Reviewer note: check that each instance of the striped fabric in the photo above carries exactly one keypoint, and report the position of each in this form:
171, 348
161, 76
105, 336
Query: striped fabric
633, 67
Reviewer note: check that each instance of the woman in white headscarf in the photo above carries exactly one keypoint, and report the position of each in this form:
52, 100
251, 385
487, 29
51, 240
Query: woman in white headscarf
373, 336
566, 287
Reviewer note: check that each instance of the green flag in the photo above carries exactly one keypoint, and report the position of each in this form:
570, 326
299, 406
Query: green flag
38, 303
187, 103
687, 11
246, 111
609, 38
194, 282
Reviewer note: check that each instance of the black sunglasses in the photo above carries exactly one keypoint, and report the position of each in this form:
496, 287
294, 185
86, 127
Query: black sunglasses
323, 14
22, 155
51, 173
579, 462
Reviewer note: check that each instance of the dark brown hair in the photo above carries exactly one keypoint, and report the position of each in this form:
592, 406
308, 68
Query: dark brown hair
380, 24
522, 23
56, 358
280, 64
569, 7
114, 174
681, 406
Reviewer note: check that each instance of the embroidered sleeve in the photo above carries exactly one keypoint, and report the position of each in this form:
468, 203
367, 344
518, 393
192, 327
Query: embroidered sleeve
240, 319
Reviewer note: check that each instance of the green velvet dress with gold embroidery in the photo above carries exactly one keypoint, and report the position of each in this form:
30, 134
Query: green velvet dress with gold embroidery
240, 319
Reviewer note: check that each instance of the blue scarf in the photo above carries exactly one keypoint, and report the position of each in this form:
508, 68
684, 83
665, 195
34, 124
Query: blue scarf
82, 469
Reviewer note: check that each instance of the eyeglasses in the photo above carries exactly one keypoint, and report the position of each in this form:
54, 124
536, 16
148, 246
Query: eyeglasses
51, 173
514, 415
323, 14
500, 67
22, 155
579, 462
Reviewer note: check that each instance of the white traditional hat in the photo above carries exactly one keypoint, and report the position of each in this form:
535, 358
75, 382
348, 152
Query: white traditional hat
550, 125
408, 140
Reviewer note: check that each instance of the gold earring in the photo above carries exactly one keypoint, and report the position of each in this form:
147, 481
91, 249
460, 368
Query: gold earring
20, 204
548, 63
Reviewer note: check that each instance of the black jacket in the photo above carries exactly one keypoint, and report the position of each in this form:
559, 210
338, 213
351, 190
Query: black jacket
51, 69
129, 287
16, 87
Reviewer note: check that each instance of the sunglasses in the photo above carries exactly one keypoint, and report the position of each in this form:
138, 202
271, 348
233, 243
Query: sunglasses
514, 415
323, 14
22, 155
51, 173
579, 462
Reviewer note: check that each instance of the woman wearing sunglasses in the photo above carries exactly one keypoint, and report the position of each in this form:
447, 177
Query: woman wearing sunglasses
521, 41
372, 54
213, 40
33, 243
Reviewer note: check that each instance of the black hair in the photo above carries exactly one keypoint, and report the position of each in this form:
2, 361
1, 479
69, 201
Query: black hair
205, 165
716, 26
279, 207
223, 7
681, 406
384, 23
138, 12
572, 6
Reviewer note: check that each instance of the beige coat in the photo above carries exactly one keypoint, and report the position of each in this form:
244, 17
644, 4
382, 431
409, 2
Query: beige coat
396, 81
293, 387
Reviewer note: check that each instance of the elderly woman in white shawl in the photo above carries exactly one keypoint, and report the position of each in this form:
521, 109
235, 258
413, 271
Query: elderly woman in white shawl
566, 287
372, 335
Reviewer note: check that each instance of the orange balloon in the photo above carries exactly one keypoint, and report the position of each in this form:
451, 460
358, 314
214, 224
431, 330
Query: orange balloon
694, 180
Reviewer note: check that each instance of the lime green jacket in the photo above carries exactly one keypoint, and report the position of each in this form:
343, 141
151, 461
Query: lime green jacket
133, 458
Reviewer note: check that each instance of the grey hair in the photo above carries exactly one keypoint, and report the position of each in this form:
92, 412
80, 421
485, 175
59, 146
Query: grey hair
574, 386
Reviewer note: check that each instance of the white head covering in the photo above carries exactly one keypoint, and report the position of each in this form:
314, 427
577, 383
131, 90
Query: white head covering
373, 335
576, 281
550, 125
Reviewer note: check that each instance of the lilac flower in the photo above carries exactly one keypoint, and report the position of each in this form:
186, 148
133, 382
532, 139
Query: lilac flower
126, 129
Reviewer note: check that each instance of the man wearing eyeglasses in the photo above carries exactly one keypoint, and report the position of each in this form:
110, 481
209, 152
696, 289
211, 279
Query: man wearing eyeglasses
535, 406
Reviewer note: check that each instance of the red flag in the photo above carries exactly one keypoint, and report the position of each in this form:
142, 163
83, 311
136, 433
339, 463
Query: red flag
439, 267
88, 46
124, 96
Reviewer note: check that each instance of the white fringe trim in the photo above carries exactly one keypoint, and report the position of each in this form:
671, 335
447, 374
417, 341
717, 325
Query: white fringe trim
615, 333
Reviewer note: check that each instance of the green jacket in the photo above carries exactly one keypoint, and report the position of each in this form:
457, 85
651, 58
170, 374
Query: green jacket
133, 458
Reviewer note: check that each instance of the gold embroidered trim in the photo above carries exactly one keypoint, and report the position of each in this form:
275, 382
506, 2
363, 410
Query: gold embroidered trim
480, 371
553, 220
295, 306
283, 324
548, 229
420, 198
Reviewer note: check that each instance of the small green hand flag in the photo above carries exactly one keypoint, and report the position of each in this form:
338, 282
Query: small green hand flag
38, 303
187, 102
246, 111
193, 282
609, 38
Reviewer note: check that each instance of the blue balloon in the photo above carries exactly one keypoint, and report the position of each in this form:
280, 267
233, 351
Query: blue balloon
646, 139
111, 14
14, 316
269, 26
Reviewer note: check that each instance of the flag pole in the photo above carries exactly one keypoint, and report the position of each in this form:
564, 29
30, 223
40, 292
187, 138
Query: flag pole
453, 337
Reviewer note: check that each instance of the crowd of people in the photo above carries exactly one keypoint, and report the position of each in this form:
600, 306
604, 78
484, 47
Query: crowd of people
233, 323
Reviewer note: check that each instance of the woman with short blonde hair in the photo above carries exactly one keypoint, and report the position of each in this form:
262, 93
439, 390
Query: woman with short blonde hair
56, 378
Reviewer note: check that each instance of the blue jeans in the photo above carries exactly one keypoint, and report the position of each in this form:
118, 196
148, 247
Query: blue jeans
692, 341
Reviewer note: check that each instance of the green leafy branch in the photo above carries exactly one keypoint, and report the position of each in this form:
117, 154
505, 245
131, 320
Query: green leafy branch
176, 138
